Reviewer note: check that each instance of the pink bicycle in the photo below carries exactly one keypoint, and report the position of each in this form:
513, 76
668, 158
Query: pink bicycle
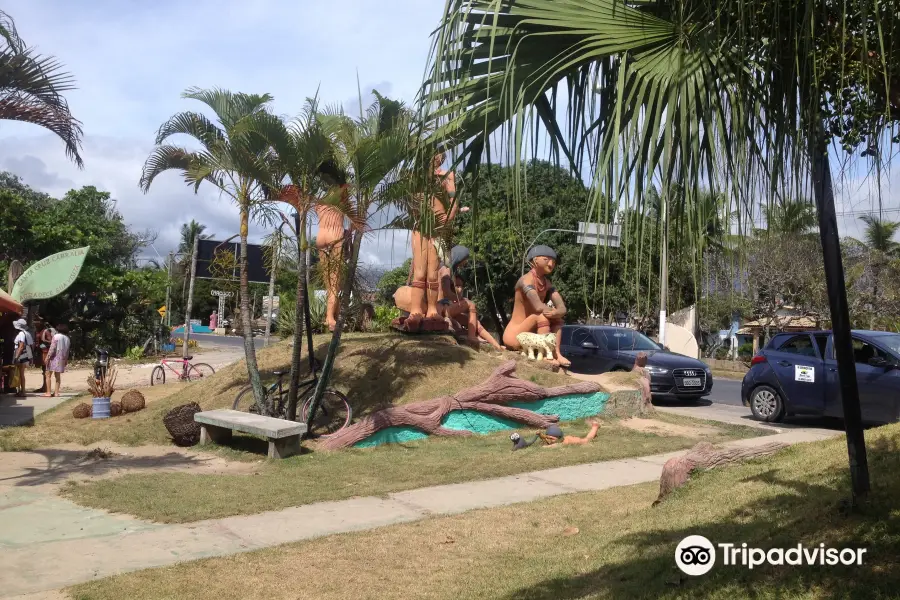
188, 371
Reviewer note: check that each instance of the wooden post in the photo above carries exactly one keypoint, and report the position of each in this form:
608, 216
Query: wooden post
187, 309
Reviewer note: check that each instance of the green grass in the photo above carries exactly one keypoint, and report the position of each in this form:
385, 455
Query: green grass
320, 476
375, 371
623, 547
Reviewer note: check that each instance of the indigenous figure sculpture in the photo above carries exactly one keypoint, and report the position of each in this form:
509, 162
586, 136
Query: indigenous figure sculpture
456, 308
332, 242
531, 310
420, 298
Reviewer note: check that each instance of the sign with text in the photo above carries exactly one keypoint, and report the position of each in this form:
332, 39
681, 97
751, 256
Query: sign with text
49, 277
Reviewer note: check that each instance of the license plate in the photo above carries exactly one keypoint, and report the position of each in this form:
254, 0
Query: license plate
692, 383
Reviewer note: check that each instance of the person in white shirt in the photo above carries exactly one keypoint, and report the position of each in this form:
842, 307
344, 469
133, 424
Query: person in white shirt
57, 358
22, 356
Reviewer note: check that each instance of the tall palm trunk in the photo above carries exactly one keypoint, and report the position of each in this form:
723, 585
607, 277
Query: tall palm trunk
259, 393
299, 320
339, 327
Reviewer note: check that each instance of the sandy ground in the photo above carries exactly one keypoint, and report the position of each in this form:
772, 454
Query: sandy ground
663, 428
131, 375
48, 468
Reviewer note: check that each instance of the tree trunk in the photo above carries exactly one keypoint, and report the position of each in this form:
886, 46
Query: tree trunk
259, 392
338, 329
840, 312
705, 456
297, 350
489, 397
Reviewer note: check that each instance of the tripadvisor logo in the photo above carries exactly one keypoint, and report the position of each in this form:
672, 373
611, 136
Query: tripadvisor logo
696, 555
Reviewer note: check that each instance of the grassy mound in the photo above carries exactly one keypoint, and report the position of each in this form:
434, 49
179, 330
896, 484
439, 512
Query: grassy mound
610, 544
375, 371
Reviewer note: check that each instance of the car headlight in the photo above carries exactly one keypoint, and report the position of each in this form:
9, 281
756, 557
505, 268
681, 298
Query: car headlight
656, 370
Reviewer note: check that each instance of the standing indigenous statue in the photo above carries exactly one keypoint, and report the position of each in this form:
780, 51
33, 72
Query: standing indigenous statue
456, 307
420, 297
332, 242
534, 292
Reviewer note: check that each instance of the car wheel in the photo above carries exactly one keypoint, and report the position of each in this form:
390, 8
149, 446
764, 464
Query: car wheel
767, 404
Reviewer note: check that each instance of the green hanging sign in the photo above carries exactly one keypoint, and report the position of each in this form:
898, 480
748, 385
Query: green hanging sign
49, 277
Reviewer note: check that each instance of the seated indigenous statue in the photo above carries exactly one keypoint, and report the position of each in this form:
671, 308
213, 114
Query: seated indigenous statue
531, 312
459, 310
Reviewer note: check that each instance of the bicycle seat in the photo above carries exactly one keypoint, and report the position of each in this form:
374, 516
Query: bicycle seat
188, 357
279, 373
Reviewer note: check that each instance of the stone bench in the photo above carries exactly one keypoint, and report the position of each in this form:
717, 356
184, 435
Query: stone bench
218, 425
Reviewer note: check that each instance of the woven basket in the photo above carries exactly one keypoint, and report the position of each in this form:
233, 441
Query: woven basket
82, 411
115, 409
181, 426
132, 401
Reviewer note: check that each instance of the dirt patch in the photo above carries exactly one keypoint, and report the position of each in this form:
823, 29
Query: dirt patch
616, 381
670, 429
51, 467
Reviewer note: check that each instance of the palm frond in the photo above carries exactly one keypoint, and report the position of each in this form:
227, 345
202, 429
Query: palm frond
31, 89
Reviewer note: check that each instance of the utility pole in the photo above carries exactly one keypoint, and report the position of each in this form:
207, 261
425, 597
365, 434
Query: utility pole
169, 289
664, 270
190, 300
272, 284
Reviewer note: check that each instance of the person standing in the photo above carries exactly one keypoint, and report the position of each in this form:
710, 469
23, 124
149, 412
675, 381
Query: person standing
23, 355
44, 337
58, 357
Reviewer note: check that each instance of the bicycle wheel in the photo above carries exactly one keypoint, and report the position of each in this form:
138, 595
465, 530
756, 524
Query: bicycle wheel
245, 402
334, 413
198, 371
158, 376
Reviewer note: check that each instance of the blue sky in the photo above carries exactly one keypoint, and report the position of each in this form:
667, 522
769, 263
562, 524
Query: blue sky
132, 60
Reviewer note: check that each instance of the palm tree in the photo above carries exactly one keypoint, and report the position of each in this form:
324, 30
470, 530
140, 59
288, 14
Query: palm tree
31, 88
791, 217
740, 95
879, 235
879, 241
230, 160
300, 148
186, 248
367, 175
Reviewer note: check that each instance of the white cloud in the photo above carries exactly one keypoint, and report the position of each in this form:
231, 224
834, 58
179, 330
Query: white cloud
132, 61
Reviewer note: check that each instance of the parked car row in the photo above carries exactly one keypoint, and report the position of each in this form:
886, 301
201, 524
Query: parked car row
795, 374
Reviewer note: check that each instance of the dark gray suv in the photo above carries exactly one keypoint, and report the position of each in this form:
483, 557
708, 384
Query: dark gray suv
595, 349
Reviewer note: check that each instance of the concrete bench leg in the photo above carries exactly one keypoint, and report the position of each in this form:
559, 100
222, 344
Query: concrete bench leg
284, 447
211, 433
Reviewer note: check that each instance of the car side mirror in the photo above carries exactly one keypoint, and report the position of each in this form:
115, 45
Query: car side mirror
589, 345
880, 362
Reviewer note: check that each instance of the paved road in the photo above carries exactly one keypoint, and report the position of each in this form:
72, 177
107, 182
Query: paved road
229, 340
726, 391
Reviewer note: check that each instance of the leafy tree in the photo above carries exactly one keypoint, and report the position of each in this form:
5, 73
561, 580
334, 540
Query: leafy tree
31, 88
393, 279
368, 175
301, 148
232, 161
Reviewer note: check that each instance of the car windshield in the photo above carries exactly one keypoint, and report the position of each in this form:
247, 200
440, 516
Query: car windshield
626, 339
889, 342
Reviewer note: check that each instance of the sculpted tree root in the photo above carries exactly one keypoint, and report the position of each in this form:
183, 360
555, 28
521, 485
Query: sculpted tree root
490, 397
705, 456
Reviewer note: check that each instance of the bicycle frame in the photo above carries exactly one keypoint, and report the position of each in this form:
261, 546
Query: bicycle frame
185, 364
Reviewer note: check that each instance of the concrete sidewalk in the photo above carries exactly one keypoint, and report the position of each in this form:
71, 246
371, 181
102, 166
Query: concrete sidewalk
47, 542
